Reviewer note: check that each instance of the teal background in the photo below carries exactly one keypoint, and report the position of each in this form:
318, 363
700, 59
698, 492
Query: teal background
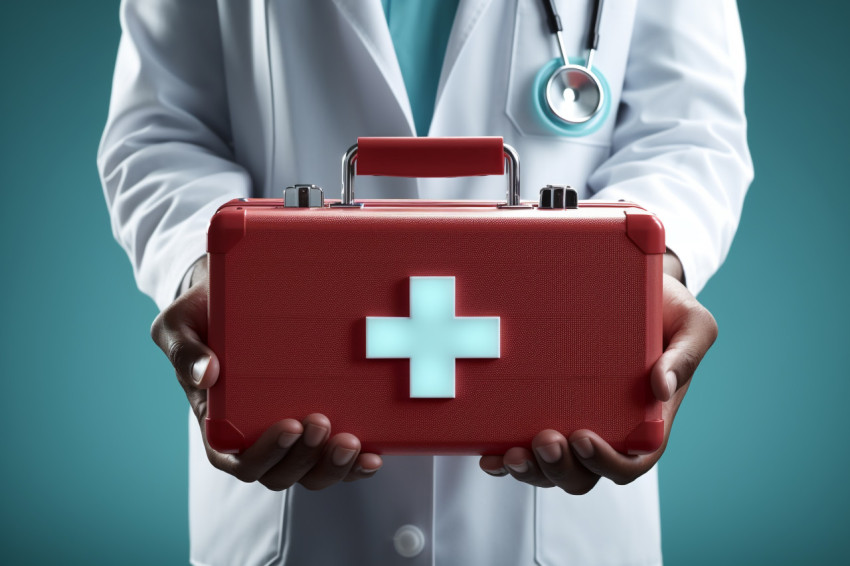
94, 455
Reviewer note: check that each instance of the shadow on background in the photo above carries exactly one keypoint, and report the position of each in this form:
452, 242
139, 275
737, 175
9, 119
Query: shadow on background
95, 465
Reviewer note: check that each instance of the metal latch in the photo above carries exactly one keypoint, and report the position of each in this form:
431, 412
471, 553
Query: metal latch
558, 196
303, 196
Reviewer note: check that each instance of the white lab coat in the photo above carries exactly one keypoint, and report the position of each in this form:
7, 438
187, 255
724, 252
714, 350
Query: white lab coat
217, 100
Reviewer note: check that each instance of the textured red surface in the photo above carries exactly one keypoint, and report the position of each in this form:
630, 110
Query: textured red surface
430, 157
579, 302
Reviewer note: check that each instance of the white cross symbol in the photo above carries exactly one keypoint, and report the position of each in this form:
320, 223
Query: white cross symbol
432, 337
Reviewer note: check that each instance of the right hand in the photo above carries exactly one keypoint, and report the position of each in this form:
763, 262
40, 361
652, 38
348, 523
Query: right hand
289, 451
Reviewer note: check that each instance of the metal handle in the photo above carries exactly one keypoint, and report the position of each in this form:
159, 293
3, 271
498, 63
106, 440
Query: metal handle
412, 145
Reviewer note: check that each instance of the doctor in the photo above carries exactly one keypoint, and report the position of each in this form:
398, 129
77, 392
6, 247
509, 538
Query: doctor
218, 100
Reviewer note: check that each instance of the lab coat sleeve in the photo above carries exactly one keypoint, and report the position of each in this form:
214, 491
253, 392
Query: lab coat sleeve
679, 145
165, 158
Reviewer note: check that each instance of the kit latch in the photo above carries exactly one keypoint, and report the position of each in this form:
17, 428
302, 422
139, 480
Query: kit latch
303, 196
558, 197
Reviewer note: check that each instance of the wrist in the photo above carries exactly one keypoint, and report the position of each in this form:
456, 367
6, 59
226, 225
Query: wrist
673, 267
196, 272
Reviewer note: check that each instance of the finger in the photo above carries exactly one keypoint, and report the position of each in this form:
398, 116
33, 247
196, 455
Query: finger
493, 465
522, 465
364, 467
260, 457
302, 456
689, 331
337, 460
560, 465
597, 456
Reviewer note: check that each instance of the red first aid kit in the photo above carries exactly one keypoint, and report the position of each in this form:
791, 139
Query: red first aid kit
443, 327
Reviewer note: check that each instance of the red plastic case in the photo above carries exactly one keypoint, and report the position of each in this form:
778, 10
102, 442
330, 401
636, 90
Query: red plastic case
577, 293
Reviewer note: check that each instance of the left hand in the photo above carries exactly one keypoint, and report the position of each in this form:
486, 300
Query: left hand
576, 463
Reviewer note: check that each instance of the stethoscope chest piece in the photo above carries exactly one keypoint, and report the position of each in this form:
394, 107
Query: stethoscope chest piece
574, 94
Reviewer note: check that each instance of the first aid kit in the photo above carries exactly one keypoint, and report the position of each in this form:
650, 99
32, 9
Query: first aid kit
441, 327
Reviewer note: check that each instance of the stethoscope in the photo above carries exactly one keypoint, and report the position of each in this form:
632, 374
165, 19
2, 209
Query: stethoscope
572, 97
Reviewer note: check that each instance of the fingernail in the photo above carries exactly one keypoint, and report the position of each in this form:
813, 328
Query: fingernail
672, 383
199, 368
549, 453
342, 456
497, 472
287, 439
583, 447
519, 468
367, 471
314, 435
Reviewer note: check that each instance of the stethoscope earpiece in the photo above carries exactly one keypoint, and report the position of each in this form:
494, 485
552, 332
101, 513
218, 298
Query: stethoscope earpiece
574, 94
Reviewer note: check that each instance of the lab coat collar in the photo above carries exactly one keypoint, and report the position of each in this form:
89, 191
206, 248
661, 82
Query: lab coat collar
368, 20
469, 12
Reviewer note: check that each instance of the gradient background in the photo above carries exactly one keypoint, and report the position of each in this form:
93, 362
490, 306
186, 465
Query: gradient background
94, 464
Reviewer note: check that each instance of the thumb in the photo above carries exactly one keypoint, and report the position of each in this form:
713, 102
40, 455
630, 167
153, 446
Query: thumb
176, 332
202, 365
689, 331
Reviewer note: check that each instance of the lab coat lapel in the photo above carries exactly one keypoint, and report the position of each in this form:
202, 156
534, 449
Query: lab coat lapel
369, 22
468, 14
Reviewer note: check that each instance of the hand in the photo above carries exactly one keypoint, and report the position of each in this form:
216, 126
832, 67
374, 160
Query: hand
289, 451
576, 463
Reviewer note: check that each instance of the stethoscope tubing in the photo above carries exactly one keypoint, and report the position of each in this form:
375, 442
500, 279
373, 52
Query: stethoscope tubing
584, 72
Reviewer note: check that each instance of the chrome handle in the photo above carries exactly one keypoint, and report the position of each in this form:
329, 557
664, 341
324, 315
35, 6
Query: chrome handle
349, 170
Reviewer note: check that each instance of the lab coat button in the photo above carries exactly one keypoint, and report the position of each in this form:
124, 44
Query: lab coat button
409, 541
